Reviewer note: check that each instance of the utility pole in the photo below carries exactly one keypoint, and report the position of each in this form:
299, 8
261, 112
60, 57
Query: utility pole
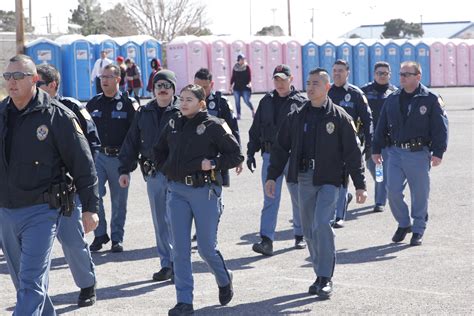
30, 15
273, 26
20, 28
289, 18
312, 22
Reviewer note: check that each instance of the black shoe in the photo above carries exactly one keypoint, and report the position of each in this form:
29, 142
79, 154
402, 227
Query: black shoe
325, 287
226, 292
416, 239
313, 288
265, 247
164, 274
116, 246
401, 233
338, 223
379, 208
98, 242
299, 242
181, 309
87, 297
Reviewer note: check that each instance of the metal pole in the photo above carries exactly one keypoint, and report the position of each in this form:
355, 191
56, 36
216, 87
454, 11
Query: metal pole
289, 18
273, 26
30, 17
250, 16
312, 22
20, 29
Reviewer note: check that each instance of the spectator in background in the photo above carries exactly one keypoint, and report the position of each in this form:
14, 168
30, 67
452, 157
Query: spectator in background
98, 69
155, 67
241, 84
123, 73
133, 78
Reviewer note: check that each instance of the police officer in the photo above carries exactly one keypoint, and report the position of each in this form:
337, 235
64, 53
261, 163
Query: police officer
271, 112
71, 232
41, 139
138, 145
192, 149
320, 142
354, 102
377, 92
413, 126
113, 114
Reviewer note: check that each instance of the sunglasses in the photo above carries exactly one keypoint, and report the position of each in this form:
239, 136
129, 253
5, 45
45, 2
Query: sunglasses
382, 73
107, 77
407, 74
163, 85
17, 75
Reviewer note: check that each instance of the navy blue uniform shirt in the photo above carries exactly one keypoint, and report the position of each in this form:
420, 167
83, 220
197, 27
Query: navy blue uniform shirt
376, 96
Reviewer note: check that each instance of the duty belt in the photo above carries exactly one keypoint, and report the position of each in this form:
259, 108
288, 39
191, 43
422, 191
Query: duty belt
412, 144
110, 151
198, 179
307, 164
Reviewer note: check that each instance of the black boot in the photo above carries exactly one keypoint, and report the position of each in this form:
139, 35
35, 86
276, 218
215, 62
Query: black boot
265, 247
325, 287
98, 242
87, 297
181, 309
226, 292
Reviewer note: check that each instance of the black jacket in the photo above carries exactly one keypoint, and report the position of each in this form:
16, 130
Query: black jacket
184, 143
47, 137
218, 106
265, 126
143, 134
376, 95
336, 148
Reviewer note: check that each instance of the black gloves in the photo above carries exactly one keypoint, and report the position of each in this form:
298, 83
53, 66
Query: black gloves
251, 163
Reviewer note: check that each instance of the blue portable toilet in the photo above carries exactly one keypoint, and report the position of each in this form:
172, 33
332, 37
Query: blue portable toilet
360, 56
422, 56
310, 55
376, 54
149, 48
327, 56
76, 66
344, 51
130, 49
407, 51
45, 51
102, 42
392, 56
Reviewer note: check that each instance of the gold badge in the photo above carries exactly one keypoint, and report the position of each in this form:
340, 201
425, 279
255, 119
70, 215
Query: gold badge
42, 132
200, 129
330, 127
423, 109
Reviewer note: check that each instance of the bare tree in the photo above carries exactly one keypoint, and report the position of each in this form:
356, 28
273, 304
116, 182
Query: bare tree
166, 19
118, 22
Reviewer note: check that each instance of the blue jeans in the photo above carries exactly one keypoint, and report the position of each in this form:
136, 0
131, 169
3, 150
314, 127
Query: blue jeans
107, 171
75, 248
412, 168
246, 95
268, 218
380, 187
204, 205
28, 234
317, 204
157, 187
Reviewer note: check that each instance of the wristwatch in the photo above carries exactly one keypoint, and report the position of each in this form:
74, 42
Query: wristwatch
213, 164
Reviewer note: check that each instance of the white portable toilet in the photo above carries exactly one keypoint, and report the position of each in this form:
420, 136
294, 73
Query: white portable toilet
293, 58
274, 58
462, 63
450, 70
257, 60
436, 63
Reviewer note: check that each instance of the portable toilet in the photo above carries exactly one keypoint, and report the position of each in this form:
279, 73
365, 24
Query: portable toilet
149, 48
422, 56
392, 56
450, 78
292, 57
76, 66
376, 54
360, 57
471, 61
237, 47
327, 56
407, 51
274, 58
219, 63
462, 63
344, 51
310, 54
258, 64
45, 51
437, 63
129, 49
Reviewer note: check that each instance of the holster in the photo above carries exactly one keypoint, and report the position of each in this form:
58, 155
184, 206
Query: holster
147, 167
61, 196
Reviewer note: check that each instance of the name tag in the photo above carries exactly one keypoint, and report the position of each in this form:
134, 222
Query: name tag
119, 115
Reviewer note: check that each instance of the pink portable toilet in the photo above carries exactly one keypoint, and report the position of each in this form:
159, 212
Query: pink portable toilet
437, 64
462, 63
237, 47
471, 61
197, 57
219, 63
292, 57
450, 78
274, 58
257, 60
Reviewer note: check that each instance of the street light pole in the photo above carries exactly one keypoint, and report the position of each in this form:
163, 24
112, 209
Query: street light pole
312, 22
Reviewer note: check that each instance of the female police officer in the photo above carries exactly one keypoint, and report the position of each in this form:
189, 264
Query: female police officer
191, 150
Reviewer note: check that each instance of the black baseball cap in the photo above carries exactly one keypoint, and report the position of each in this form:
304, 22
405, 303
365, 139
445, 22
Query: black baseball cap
282, 71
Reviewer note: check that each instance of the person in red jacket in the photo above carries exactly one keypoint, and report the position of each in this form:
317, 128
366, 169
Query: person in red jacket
133, 78
155, 67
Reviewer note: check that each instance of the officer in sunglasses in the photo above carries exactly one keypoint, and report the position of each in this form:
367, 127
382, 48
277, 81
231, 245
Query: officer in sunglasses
413, 127
138, 146
39, 138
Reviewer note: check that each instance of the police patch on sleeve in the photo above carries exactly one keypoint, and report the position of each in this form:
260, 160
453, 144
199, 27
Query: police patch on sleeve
200, 129
42, 132
330, 128
226, 128
423, 109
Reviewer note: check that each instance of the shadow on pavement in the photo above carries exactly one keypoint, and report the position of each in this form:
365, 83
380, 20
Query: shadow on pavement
353, 214
251, 238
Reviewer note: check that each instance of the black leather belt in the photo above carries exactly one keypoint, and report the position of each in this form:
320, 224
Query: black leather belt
42, 199
110, 151
307, 164
197, 179
402, 145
